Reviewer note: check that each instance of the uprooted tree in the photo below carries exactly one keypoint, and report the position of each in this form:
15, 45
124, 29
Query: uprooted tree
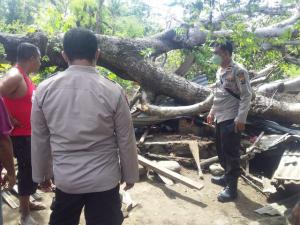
134, 59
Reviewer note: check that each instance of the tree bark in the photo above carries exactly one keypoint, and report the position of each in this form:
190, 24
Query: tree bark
125, 57
280, 86
172, 112
272, 109
186, 65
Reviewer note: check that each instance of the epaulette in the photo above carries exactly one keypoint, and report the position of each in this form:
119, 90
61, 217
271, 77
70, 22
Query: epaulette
52, 75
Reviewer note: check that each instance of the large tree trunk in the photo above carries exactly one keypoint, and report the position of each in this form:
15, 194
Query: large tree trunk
125, 57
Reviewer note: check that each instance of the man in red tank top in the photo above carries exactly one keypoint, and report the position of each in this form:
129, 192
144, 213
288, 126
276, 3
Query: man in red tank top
17, 90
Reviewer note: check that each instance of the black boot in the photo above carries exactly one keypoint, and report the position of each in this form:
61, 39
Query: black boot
221, 181
230, 191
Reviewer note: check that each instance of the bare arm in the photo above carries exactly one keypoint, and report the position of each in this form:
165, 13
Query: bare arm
6, 158
10, 83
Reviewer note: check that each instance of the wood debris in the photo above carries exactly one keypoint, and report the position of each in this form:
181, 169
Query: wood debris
169, 174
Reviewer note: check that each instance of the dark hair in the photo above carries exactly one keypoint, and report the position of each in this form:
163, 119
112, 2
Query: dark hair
225, 46
26, 50
80, 43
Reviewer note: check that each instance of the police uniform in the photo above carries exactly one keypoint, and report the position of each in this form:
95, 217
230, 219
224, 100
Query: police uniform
82, 123
232, 98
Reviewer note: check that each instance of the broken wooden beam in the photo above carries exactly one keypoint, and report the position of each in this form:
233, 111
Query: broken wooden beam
254, 145
144, 136
247, 180
9, 199
208, 162
185, 161
181, 142
194, 147
168, 173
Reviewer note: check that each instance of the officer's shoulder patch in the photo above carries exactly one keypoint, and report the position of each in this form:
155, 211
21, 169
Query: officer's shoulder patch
229, 69
52, 75
242, 77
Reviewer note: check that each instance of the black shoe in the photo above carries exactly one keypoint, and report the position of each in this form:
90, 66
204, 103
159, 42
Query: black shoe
221, 181
229, 194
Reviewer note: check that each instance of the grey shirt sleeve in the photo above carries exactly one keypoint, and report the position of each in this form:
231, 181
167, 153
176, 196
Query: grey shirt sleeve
40, 145
243, 84
126, 141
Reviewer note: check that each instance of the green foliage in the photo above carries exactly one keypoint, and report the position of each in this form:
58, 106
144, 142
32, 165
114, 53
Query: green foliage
203, 66
146, 53
53, 20
129, 23
174, 60
127, 85
43, 74
132, 18
4, 67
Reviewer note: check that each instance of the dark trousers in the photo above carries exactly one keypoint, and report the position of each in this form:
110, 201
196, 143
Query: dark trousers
101, 208
228, 149
22, 152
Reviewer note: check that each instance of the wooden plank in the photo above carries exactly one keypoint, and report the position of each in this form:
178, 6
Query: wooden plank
144, 136
167, 143
194, 147
254, 145
189, 162
166, 180
169, 174
208, 162
247, 180
9, 199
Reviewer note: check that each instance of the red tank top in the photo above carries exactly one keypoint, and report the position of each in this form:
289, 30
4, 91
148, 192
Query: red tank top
20, 108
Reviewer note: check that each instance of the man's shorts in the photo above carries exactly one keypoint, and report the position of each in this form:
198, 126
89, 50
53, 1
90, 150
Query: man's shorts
22, 152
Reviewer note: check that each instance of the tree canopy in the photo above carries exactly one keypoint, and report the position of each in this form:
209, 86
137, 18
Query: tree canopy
137, 19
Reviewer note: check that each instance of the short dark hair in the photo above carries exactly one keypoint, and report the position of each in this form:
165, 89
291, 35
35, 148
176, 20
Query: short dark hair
27, 50
80, 43
225, 46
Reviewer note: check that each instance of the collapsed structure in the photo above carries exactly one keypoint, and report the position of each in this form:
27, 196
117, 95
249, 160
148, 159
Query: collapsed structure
169, 111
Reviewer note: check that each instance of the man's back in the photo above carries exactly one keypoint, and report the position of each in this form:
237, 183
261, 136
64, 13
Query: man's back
82, 122
81, 109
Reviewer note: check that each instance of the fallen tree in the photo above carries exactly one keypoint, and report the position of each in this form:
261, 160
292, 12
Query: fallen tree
126, 58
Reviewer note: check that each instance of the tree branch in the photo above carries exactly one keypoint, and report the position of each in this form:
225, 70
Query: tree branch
171, 112
291, 59
278, 29
248, 9
186, 65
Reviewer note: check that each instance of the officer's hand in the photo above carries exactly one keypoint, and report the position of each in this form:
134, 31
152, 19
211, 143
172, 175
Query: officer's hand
128, 186
210, 118
46, 186
239, 127
296, 215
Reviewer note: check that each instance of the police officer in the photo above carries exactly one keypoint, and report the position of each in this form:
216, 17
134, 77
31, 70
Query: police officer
231, 104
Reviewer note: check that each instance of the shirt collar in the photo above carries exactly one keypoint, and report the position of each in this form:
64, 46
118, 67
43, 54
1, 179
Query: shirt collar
91, 69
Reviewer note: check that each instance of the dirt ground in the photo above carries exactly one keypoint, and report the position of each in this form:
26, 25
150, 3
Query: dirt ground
159, 204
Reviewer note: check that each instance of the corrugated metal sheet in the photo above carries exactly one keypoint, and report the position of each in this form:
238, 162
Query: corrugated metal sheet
269, 142
201, 79
289, 167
